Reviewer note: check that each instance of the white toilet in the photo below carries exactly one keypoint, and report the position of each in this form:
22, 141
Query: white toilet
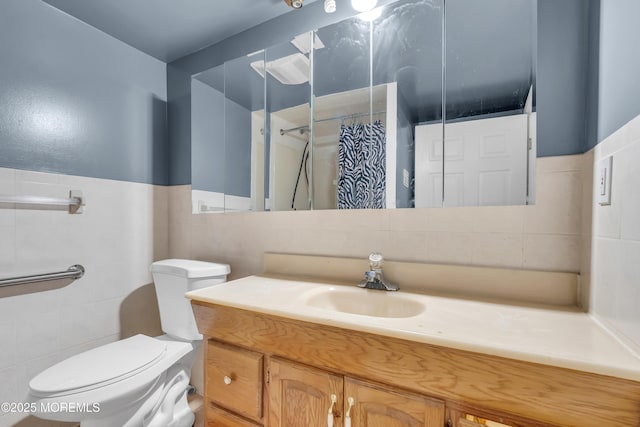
138, 381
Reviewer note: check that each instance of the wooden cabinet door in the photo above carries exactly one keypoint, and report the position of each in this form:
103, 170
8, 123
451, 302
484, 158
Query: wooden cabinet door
301, 396
379, 407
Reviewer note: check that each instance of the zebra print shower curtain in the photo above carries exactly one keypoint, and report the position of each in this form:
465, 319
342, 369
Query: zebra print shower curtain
361, 166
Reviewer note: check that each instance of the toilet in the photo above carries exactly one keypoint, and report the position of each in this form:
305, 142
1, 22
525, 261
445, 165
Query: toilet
141, 380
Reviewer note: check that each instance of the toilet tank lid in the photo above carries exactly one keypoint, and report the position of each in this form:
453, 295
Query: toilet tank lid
189, 268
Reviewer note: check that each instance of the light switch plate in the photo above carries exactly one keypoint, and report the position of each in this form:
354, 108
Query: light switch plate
603, 190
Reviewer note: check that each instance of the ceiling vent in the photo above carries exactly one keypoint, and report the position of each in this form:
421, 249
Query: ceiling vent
303, 42
289, 70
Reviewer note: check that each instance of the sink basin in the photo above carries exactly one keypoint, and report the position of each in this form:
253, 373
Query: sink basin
365, 302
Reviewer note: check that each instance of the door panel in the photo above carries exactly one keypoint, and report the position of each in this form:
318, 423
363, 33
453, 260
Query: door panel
377, 407
301, 396
485, 162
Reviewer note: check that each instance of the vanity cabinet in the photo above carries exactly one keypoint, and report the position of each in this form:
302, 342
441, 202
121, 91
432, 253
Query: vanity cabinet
283, 372
302, 396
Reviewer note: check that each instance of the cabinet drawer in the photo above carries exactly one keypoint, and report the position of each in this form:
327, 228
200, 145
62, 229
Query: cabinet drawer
234, 379
218, 417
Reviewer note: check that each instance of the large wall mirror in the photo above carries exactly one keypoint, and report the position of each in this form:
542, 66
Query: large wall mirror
409, 105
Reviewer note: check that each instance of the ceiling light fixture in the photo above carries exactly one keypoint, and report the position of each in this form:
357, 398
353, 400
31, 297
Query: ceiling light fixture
329, 6
363, 5
296, 4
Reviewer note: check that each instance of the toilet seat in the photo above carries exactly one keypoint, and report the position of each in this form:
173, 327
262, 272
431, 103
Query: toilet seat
100, 367
130, 385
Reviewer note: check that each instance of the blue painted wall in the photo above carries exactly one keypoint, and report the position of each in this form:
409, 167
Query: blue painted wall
619, 65
562, 76
76, 101
593, 76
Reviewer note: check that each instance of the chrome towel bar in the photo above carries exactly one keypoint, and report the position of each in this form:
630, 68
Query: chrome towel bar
75, 201
74, 272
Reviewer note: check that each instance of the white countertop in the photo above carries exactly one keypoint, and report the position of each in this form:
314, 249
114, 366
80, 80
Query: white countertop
557, 337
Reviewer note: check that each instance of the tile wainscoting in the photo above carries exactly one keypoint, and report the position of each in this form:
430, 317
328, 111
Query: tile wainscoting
123, 229
545, 236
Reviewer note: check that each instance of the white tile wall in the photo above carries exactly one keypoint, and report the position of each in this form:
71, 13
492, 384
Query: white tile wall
546, 236
123, 229
615, 258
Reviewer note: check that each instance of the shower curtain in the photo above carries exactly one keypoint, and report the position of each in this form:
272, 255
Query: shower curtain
361, 166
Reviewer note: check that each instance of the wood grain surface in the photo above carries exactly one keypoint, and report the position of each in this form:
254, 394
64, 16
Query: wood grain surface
245, 369
378, 407
301, 396
544, 393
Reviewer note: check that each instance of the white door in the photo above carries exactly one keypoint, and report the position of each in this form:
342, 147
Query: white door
485, 162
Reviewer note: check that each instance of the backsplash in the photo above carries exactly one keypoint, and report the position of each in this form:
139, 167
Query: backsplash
122, 231
546, 236
614, 268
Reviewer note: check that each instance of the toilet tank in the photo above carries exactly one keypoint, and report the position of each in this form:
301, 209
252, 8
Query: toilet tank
172, 279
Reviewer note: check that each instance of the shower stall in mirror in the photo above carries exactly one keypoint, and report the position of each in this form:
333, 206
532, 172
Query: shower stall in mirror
341, 114
288, 89
379, 75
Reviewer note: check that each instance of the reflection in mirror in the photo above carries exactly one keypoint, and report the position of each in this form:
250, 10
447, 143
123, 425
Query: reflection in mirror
207, 141
490, 99
357, 121
341, 108
227, 104
407, 56
379, 76
244, 102
288, 92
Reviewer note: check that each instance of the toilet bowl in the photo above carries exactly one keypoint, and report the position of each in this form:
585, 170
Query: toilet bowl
136, 381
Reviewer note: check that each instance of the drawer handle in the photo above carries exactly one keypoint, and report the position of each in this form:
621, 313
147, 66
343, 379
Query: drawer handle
227, 379
334, 399
347, 418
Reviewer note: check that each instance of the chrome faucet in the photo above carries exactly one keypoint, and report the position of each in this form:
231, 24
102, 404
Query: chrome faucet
374, 277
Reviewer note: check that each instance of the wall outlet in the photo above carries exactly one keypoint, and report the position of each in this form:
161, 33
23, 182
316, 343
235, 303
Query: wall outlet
604, 181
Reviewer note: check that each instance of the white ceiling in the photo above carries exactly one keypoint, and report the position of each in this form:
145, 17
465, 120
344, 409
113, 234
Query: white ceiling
170, 29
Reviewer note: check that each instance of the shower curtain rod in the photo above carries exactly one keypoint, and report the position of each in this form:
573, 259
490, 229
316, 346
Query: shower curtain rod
329, 119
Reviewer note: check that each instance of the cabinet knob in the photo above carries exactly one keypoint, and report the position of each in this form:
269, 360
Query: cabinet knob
227, 379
